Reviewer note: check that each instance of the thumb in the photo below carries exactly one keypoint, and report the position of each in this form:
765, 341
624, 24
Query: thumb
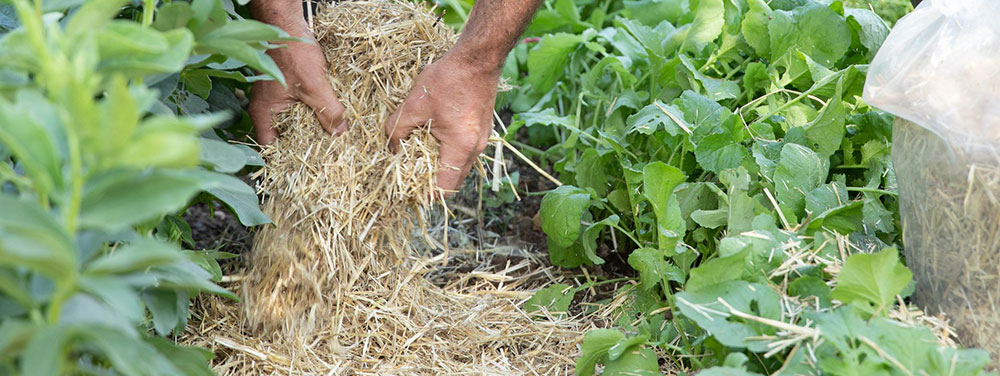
410, 115
327, 108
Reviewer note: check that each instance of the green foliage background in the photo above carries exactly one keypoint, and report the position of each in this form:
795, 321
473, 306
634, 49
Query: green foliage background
721, 150
114, 118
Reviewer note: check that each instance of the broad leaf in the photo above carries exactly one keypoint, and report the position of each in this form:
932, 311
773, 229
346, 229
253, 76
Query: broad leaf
707, 25
636, 360
659, 181
873, 279
596, 344
653, 268
799, 171
547, 61
555, 299
705, 307
117, 200
561, 211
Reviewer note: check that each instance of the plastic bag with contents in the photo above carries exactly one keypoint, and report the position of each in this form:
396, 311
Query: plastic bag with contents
939, 73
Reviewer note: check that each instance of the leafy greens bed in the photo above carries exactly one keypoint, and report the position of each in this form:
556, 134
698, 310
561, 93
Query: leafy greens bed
721, 149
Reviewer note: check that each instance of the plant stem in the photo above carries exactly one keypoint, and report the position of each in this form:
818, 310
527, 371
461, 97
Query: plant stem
148, 9
872, 190
528, 149
63, 292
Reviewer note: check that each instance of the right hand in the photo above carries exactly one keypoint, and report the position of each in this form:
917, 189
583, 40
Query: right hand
306, 71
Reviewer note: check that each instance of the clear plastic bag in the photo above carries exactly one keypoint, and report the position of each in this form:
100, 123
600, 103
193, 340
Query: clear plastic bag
939, 73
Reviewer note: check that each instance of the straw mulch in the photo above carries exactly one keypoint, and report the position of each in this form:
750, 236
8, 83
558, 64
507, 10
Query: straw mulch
335, 286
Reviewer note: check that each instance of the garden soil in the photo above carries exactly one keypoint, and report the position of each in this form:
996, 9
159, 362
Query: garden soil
336, 285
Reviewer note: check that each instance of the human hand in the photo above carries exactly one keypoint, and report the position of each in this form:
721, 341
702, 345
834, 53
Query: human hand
457, 96
305, 70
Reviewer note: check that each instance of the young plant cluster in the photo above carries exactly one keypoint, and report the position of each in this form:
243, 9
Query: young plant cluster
721, 150
107, 111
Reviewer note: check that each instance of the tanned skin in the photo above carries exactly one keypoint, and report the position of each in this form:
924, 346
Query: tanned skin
302, 64
455, 94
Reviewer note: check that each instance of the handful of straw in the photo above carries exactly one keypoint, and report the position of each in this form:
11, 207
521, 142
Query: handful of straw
334, 287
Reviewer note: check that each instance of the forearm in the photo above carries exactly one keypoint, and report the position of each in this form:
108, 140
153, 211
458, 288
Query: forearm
493, 28
286, 14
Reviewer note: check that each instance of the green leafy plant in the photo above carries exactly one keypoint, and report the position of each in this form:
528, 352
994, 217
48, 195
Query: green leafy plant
95, 163
722, 149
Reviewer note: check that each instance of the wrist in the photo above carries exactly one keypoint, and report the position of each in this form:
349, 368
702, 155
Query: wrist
285, 14
479, 61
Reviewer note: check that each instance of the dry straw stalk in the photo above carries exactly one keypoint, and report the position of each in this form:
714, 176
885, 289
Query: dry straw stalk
335, 286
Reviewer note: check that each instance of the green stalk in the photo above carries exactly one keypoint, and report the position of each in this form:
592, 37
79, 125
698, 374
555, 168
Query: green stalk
628, 234
872, 190
148, 9
797, 99
63, 292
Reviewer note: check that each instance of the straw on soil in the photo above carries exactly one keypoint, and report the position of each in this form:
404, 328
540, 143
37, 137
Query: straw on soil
950, 208
335, 287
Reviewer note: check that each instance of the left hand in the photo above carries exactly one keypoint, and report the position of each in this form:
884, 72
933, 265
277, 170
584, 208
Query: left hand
457, 96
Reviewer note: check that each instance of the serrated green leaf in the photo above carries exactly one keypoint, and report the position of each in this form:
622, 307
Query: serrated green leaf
810, 288
547, 61
704, 307
554, 299
706, 27
596, 344
653, 268
813, 29
718, 270
799, 170
719, 151
714, 88
635, 360
870, 29
873, 279
658, 115
755, 29
827, 131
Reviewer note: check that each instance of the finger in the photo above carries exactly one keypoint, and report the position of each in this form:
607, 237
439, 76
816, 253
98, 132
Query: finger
450, 178
343, 127
262, 115
454, 165
326, 106
401, 123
